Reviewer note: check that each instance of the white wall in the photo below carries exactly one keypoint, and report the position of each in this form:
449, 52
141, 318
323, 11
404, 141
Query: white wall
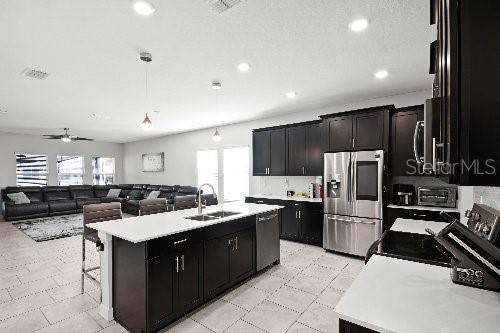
180, 149
32, 144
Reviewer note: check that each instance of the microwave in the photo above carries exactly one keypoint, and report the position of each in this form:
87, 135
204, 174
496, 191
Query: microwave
426, 147
437, 196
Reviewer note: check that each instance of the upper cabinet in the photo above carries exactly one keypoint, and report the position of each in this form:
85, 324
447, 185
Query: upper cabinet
340, 129
294, 150
269, 152
315, 143
467, 76
359, 130
305, 149
406, 131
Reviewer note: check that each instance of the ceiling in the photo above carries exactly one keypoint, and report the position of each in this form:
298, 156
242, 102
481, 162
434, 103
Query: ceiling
91, 51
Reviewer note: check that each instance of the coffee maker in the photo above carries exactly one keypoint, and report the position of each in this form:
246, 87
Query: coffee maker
403, 194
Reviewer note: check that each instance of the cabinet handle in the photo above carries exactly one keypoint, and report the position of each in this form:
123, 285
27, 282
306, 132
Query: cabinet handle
236, 243
229, 242
420, 215
177, 264
300, 215
353, 140
303, 170
182, 262
296, 215
180, 241
260, 201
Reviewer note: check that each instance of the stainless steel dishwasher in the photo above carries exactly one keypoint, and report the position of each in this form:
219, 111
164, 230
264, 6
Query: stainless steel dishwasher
268, 239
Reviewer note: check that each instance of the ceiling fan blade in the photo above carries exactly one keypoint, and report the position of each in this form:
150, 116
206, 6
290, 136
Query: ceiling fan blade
76, 138
47, 136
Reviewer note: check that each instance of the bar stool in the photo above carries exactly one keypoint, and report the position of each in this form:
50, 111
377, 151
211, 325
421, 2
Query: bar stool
92, 214
184, 202
152, 206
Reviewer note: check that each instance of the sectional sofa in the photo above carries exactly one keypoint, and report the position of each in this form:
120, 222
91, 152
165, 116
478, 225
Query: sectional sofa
62, 200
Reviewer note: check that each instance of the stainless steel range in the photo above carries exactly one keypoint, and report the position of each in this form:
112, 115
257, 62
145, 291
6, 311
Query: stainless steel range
353, 202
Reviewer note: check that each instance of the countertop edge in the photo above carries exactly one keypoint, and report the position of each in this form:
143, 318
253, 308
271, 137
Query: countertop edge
285, 198
96, 226
429, 208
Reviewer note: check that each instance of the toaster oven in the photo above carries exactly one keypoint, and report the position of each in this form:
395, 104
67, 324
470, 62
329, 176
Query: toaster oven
437, 196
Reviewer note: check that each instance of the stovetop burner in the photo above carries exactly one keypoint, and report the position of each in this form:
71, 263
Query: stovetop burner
413, 247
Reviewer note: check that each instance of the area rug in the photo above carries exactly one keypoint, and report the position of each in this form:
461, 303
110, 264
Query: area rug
52, 227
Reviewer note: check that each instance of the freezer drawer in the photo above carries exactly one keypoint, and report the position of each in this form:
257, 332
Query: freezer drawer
267, 239
352, 235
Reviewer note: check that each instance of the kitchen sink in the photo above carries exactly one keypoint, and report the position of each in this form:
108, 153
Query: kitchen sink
212, 216
222, 213
201, 218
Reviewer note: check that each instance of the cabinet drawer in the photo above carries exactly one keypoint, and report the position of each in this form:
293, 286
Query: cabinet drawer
168, 244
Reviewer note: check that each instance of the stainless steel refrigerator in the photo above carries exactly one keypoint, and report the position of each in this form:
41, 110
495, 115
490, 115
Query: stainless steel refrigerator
353, 183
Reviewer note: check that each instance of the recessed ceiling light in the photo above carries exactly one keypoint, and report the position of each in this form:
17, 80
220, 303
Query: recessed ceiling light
381, 74
291, 94
2, 112
358, 25
143, 8
244, 67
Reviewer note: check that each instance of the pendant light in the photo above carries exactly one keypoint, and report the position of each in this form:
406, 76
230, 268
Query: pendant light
216, 85
146, 124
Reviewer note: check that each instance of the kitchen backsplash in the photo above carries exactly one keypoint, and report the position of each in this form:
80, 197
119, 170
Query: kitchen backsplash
270, 185
487, 195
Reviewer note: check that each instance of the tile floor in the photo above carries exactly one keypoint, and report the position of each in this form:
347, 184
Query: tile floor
40, 291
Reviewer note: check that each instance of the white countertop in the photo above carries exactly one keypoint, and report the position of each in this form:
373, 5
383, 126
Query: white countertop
142, 228
394, 295
284, 197
417, 226
431, 208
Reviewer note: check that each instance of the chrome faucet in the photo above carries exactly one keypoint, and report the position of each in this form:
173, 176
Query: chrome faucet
200, 205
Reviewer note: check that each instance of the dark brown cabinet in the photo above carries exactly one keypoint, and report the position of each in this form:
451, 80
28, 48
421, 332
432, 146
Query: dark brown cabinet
315, 144
290, 222
293, 150
364, 129
162, 283
217, 275
160, 280
189, 291
466, 87
297, 150
269, 152
300, 221
305, 149
405, 125
261, 152
228, 260
341, 135
368, 130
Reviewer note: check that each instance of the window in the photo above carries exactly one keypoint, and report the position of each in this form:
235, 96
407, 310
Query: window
236, 173
103, 170
69, 170
207, 166
31, 170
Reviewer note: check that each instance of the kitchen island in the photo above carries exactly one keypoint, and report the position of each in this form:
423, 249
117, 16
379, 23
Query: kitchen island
156, 268
395, 295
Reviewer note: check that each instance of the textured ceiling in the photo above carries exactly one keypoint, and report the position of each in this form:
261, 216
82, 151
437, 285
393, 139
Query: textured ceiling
90, 48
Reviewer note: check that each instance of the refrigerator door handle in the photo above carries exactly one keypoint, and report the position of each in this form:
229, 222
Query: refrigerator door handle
349, 181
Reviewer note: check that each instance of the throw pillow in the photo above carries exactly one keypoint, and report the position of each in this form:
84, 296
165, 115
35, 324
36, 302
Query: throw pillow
19, 198
113, 193
153, 195
135, 195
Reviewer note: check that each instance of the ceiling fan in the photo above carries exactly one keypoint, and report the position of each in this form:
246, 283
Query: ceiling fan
65, 137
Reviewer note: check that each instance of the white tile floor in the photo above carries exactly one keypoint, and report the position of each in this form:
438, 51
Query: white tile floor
40, 291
